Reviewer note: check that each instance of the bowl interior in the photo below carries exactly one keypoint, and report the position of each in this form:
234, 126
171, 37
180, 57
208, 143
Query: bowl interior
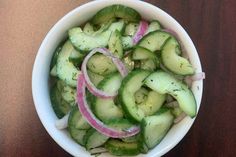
40, 76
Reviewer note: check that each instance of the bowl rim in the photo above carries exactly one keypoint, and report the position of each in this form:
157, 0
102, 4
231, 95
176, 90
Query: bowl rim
68, 15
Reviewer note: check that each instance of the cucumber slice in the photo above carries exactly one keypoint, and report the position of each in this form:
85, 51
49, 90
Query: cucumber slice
142, 147
163, 83
106, 109
131, 84
119, 148
86, 42
60, 107
66, 71
115, 44
172, 61
153, 103
116, 11
68, 93
88, 28
119, 123
55, 55
95, 78
94, 139
101, 64
154, 128
127, 42
154, 40
76, 120
76, 57
148, 64
131, 29
53, 71
77, 135
119, 26
154, 26
141, 53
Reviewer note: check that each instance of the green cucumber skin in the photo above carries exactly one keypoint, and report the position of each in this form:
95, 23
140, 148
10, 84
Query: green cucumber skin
113, 111
66, 70
121, 97
167, 84
146, 43
115, 11
77, 135
92, 135
120, 148
145, 123
115, 44
59, 106
101, 65
56, 53
172, 69
76, 115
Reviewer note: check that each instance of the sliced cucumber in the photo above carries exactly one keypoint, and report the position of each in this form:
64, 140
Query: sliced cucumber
66, 71
173, 61
94, 139
154, 40
153, 103
154, 26
127, 42
115, 44
163, 82
77, 135
76, 57
141, 53
119, 26
131, 29
116, 11
76, 120
131, 84
55, 54
119, 123
68, 93
53, 71
101, 64
60, 107
86, 42
119, 148
154, 128
143, 148
106, 109
95, 78
88, 28
148, 64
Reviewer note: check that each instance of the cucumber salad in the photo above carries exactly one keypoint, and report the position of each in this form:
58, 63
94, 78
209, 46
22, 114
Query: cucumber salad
119, 83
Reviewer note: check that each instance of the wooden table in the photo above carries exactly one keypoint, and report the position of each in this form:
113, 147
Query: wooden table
210, 23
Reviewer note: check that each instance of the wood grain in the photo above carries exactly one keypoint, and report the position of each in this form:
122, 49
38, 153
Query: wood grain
211, 25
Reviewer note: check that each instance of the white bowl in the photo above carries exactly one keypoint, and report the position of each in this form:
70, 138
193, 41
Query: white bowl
40, 76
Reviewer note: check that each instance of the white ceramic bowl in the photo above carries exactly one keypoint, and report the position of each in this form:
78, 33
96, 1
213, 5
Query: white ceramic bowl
40, 76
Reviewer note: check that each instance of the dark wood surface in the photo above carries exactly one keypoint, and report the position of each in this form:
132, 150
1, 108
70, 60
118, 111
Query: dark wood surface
211, 25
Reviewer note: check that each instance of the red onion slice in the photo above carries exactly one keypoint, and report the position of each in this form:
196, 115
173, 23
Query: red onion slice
196, 77
142, 29
91, 87
93, 121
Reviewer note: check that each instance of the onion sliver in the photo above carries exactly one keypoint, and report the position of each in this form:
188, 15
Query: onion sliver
142, 29
63, 122
91, 87
93, 121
